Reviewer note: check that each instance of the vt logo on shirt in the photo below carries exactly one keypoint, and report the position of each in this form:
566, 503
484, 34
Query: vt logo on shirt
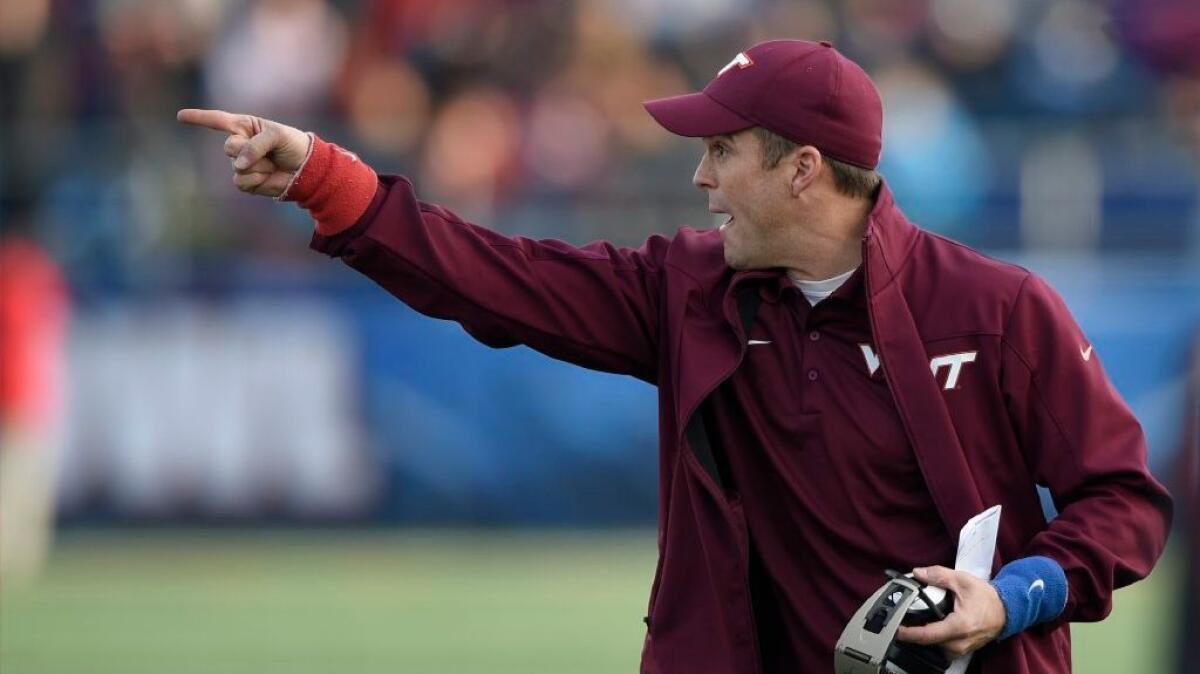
953, 361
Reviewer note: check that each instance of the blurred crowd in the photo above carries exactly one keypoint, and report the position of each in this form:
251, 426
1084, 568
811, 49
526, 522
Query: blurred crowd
1009, 123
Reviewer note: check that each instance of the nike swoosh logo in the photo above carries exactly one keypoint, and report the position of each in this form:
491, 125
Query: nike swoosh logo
1086, 353
756, 342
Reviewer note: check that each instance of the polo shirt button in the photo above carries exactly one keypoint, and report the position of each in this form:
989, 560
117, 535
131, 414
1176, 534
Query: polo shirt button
812, 375
814, 335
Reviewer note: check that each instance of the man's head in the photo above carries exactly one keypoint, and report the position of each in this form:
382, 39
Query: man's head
791, 130
769, 186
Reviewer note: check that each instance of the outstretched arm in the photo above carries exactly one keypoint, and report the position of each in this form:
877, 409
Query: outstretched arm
595, 305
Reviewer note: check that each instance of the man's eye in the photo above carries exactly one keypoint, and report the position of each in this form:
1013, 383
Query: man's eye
718, 150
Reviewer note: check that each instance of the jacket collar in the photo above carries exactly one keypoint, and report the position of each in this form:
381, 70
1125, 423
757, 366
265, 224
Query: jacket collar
887, 243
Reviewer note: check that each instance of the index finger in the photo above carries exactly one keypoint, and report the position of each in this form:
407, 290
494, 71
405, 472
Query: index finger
218, 120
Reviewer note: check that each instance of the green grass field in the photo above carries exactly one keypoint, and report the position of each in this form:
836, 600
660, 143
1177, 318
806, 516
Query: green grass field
389, 602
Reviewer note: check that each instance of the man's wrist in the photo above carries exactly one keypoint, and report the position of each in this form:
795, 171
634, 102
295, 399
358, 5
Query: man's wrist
1033, 591
332, 184
287, 195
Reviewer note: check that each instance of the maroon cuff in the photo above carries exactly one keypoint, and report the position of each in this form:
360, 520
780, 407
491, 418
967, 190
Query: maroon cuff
333, 185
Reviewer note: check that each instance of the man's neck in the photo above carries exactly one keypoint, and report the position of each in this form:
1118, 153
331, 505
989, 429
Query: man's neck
830, 246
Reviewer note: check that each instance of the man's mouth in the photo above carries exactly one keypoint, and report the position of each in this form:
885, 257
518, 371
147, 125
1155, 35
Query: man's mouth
728, 216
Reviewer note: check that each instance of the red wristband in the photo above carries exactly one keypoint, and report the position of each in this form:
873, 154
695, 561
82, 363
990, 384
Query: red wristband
333, 185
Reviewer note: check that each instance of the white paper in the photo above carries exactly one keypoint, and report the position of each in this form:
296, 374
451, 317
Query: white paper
976, 548
977, 543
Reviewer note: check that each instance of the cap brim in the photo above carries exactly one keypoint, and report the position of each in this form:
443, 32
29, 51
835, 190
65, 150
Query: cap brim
695, 115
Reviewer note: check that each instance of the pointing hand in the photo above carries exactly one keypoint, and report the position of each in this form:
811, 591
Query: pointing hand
265, 154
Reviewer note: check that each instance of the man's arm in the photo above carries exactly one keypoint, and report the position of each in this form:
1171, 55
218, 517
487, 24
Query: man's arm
595, 305
1083, 443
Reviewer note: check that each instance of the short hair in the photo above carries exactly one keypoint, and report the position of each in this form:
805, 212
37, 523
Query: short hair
853, 181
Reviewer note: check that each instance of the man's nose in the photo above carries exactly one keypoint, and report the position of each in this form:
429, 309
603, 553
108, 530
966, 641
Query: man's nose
703, 177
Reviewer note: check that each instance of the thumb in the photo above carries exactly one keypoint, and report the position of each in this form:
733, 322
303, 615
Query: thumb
258, 147
938, 576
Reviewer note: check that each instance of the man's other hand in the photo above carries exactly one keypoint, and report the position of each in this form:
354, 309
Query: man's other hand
977, 618
265, 154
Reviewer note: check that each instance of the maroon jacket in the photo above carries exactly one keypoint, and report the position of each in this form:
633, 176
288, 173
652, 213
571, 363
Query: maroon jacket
1038, 410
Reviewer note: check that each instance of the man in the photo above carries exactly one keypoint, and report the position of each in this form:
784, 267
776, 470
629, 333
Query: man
34, 312
805, 446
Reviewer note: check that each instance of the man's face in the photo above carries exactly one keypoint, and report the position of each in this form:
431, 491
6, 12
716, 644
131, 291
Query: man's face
731, 172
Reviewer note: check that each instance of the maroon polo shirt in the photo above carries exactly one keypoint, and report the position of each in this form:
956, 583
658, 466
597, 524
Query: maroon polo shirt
831, 488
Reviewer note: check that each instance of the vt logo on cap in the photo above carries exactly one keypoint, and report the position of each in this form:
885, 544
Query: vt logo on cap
741, 61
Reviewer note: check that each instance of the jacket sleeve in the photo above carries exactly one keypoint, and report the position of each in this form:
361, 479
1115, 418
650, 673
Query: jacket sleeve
595, 305
1083, 443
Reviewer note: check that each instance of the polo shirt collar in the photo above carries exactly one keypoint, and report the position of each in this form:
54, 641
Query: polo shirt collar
851, 292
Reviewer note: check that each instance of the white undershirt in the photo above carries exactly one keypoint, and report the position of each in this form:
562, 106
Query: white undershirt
815, 291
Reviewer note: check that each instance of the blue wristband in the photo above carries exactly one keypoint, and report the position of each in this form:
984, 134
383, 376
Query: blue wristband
1033, 590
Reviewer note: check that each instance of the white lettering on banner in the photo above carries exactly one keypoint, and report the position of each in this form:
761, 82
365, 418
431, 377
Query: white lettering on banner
954, 361
741, 61
224, 411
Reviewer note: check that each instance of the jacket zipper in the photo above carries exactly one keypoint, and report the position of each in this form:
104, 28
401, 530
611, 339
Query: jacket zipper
681, 437
680, 433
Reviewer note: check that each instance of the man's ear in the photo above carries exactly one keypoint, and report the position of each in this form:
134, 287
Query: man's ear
806, 163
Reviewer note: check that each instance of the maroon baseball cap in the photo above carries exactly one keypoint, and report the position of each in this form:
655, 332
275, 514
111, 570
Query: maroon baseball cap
804, 91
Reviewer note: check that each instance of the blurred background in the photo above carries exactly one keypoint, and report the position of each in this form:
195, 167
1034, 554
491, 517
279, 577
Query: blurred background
225, 453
